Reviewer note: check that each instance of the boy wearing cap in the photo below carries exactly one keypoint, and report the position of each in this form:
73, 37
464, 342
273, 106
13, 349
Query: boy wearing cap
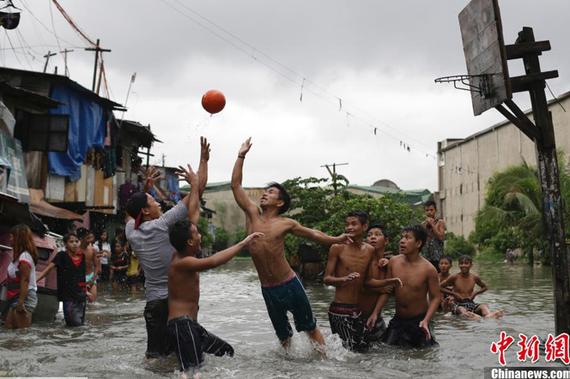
147, 233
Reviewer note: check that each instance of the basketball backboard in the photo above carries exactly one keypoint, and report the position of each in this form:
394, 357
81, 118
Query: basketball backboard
485, 54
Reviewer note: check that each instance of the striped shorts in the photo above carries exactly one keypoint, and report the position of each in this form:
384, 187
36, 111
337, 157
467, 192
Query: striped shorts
346, 321
191, 340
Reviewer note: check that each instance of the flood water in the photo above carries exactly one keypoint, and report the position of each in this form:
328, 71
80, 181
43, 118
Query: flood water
113, 341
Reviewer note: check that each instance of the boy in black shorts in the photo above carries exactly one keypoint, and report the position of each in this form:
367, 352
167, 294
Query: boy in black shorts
190, 339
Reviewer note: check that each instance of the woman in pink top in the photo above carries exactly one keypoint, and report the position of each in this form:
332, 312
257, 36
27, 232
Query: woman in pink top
22, 278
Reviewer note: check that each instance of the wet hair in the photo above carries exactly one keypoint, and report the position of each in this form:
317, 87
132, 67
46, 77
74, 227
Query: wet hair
465, 258
447, 258
360, 215
179, 234
419, 233
68, 236
378, 226
136, 203
283, 196
23, 241
430, 203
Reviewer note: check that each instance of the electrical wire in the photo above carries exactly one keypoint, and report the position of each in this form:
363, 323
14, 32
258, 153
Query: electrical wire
298, 79
53, 26
12, 46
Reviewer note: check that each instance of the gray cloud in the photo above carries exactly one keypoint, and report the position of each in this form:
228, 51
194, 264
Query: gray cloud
380, 56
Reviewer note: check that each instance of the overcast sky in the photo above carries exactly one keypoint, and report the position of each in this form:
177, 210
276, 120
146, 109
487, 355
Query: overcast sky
379, 57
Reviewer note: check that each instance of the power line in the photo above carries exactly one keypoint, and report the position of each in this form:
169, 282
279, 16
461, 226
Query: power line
297, 79
12, 46
41, 23
53, 26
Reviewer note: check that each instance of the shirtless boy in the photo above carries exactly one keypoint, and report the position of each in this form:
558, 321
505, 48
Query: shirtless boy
410, 326
281, 289
463, 290
346, 270
190, 339
445, 264
377, 269
435, 227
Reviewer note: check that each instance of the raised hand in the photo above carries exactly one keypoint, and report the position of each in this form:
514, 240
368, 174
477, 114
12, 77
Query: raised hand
187, 174
245, 147
204, 149
150, 175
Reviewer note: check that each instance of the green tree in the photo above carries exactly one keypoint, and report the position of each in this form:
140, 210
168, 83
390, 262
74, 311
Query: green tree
315, 206
512, 214
456, 246
221, 239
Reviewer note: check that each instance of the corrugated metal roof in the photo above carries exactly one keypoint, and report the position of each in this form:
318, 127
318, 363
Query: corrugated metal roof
6, 71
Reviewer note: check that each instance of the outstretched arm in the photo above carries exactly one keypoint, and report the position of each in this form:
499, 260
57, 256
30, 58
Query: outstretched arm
194, 196
203, 167
316, 235
241, 197
374, 272
218, 259
46, 271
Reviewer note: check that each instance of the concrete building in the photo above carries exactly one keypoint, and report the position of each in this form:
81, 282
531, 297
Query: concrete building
466, 165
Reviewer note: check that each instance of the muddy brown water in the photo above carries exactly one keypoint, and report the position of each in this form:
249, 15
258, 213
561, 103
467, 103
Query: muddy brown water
112, 343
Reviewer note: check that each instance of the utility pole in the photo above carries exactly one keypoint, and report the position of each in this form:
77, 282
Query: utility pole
64, 52
98, 50
333, 174
552, 207
163, 160
47, 56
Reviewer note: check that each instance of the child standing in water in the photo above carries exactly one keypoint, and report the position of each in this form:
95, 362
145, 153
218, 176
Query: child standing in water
119, 265
71, 287
410, 326
190, 339
22, 279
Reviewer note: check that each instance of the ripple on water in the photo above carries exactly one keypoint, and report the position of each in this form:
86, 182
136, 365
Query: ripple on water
113, 342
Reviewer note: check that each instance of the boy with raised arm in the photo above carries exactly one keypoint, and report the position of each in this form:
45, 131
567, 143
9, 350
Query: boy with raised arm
190, 339
410, 326
346, 270
147, 234
281, 289
463, 290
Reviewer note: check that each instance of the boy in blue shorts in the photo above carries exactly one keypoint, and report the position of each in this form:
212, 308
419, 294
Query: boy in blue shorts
281, 289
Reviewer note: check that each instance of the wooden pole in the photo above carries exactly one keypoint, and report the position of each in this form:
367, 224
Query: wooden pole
552, 206
47, 56
98, 50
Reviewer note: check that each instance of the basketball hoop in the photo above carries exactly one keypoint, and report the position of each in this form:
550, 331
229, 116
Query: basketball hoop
483, 89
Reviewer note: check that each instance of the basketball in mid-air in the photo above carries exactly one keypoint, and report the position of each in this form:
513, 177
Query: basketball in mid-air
213, 101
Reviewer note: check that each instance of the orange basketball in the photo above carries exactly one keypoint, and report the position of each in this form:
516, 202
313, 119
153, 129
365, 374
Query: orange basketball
213, 101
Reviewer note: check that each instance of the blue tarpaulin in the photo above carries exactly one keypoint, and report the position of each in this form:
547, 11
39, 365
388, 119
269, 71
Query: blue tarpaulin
86, 130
